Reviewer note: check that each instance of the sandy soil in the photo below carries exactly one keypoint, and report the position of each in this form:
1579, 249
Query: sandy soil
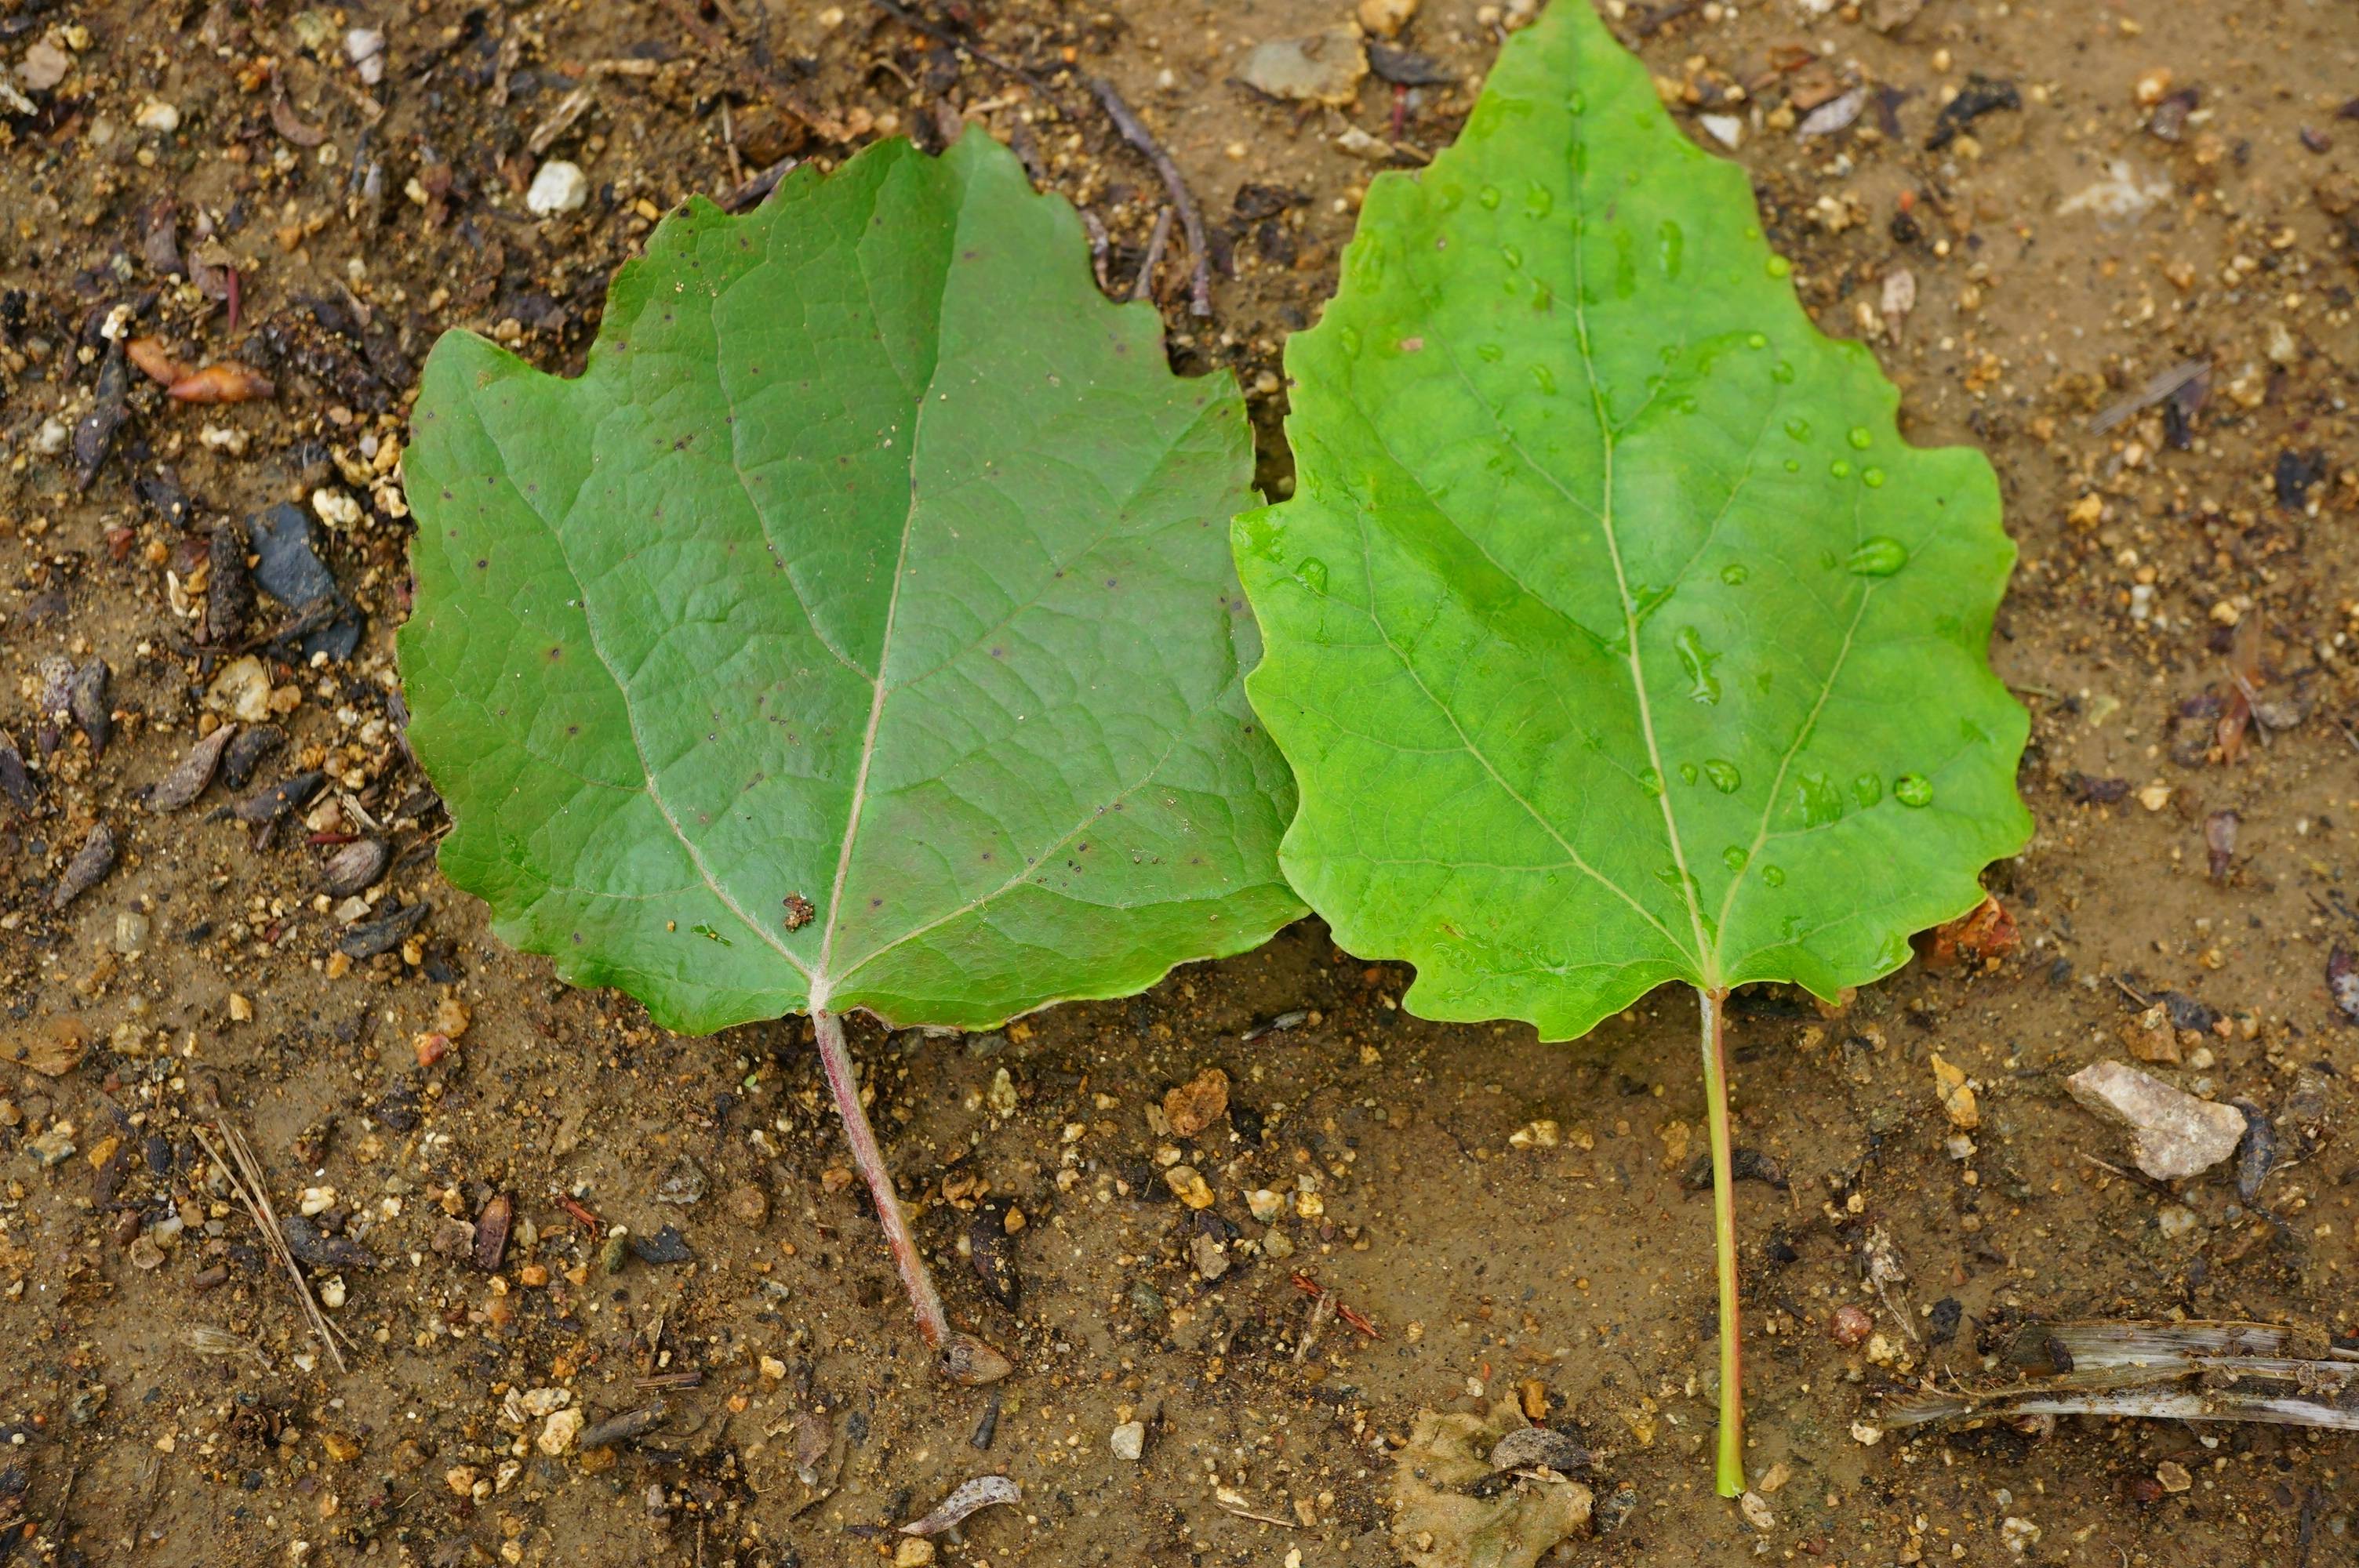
160, 1399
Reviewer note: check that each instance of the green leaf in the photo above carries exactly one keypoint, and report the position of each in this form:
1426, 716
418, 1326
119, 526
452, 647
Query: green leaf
876, 563
1614, 634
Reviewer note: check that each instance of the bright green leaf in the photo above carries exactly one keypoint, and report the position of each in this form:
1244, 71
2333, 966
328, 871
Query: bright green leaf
876, 564
1615, 635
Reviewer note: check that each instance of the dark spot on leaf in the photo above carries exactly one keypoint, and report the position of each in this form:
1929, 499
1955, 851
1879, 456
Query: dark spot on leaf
481, 563
557, 651
875, 903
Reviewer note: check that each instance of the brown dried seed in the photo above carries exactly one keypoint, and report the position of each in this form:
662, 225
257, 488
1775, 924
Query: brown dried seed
154, 361
356, 867
227, 382
86, 700
491, 1232
91, 862
193, 773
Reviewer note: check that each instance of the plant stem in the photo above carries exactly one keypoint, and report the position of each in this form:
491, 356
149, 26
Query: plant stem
963, 1357
1729, 1474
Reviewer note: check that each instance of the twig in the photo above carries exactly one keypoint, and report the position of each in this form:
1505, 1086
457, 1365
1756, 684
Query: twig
1323, 1307
1144, 287
908, 18
1200, 288
1358, 1320
757, 188
244, 1174
1231, 1508
733, 57
2140, 1178
1097, 232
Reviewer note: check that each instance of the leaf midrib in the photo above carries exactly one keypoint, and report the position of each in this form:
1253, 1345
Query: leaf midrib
821, 981
1707, 956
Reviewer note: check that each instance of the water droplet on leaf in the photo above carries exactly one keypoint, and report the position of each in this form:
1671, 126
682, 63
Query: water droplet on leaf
1671, 245
1724, 775
1311, 573
1697, 661
1860, 437
1774, 875
1488, 195
1867, 789
1821, 802
1779, 267
1734, 857
1877, 556
1872, 477
1734, 573
1913, 789
1840, 468
1799, 428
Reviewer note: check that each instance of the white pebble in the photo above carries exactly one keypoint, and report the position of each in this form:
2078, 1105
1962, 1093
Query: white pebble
1129, 1440
559, 186
157, 115
364, 47
557, 1434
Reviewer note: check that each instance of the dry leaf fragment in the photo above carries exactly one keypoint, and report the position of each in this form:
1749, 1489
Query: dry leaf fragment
1984, 936
1443, 1520
1198, 1103
982, 1492
51, 1047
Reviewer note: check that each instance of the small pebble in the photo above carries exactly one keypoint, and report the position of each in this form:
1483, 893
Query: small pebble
1129, 1440
558, 186
559, 1431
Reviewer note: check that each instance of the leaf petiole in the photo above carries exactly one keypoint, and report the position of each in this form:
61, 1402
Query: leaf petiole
963, 1358
1729, 1473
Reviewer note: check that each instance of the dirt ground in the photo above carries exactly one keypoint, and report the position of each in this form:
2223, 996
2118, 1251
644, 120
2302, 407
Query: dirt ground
2161, 185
